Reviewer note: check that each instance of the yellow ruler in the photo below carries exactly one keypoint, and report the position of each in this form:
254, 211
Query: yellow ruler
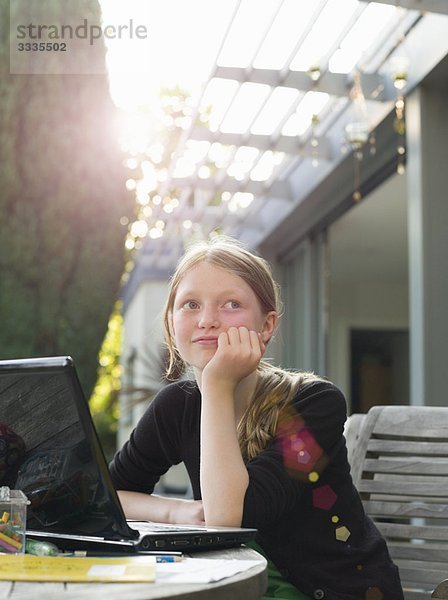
26, 567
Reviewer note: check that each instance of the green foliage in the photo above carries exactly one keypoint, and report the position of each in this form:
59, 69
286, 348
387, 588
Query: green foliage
62, 197
104, 404
154, 157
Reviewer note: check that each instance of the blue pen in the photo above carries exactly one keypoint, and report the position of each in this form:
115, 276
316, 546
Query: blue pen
168, 558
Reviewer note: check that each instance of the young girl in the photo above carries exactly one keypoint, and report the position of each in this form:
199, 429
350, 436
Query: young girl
263, 447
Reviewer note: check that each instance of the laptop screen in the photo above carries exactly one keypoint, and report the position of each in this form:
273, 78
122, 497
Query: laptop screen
50, 451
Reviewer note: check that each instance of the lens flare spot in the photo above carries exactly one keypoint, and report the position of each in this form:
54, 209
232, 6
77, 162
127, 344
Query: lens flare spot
299, 447
342, 534
335, 519
303, 457
313, 476
374, 593
324, 497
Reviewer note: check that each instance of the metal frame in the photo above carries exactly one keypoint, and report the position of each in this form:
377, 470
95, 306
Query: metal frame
295, 180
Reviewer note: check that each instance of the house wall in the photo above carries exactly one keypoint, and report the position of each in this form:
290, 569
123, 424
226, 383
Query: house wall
361, 306
142, 343
142, 346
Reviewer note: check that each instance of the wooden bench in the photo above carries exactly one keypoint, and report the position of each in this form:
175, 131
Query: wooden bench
399, 459
441, 590
352, 431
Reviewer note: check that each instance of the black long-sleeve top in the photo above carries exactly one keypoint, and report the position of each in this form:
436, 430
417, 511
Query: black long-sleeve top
300, 497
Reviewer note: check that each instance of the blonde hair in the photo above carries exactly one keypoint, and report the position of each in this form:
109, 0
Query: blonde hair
276, 387
272, 402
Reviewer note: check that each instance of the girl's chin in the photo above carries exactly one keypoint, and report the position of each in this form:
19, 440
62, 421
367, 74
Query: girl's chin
201, 364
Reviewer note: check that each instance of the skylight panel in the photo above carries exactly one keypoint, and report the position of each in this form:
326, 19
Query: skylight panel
366, 29
360, 37
220, 154
194, 153
312, 104
243, 162
324, 34
240, 200
272, 113
288, 26
197, 150
218, 96
244, 37
266, 165
243, 110
184, 167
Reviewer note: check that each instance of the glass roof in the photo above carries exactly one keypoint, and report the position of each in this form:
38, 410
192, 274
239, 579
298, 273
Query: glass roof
270, 120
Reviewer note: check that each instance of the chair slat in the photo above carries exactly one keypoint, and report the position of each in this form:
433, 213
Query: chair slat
405, 509
430, 577
426, 552
409, 465
413, 421
408, 447
404, 487
415, 594
423, 532
421, 566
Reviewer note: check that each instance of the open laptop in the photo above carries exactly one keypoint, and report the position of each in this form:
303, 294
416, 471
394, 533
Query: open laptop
49, 449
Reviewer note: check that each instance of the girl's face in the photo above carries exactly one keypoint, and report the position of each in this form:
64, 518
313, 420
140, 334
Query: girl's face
208, 301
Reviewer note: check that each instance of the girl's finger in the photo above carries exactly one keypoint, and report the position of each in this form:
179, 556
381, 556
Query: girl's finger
261, 343
223, 339
244, 335
255, 340
233, 335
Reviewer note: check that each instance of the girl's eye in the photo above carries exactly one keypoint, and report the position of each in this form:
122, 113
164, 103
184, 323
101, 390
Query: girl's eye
233, 304
190, 305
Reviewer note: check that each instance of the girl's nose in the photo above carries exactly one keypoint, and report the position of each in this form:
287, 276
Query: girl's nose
208, 318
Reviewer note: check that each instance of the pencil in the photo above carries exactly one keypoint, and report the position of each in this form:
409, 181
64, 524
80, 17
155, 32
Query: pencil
160, 557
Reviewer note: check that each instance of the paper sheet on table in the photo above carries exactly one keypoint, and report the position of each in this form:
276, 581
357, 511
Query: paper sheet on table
202, 570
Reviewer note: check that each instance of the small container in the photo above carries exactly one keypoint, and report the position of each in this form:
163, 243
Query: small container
12, 520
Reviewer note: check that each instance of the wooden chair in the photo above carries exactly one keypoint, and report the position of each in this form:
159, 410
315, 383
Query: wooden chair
400, 467
441, 591
352, 431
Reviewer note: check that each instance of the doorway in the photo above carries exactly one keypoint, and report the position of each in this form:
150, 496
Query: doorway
379, 367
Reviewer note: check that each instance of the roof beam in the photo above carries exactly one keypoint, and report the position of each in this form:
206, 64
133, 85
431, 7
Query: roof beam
287, 144
434, 6
278, 189
335, 84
